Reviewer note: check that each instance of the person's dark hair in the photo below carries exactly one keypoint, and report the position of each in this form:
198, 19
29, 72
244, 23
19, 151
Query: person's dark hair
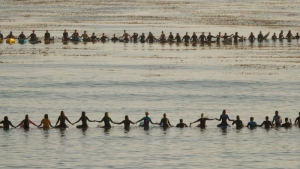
46, 116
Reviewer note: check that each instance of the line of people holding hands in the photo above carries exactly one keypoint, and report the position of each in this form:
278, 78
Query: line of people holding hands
145, 122
151, 38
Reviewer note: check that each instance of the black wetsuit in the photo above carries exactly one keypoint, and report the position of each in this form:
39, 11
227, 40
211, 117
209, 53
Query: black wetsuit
194, 38
178, 38
126, 123
114, 39
22, 36
151, 38
181, 125
65, 35
223, 118
47, 35
209, 37
289, 35
260, 37
1, 36
165, 123
142, 37
267, 124
297, 37
25, 124
135, 37
251, 37
235, 38
202, 38
225, 37
62, 123
202, 122
103, 38
33, 37
171, 37
239, 124
94, 38
186, 38
281, 35
6, 124
107, 121
274, 37
84, 122
286, 125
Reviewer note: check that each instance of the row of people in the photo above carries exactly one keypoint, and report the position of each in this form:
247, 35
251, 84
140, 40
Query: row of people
165, 123
151, 38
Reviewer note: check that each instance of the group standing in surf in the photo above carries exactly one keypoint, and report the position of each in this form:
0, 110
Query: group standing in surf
145, 122
150, 38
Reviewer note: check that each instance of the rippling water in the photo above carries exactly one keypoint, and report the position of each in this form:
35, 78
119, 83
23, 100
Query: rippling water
247, 79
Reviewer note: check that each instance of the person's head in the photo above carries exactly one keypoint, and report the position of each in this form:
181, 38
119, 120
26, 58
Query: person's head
276, 112
209, 33
5, 118
22, 32
46, 116
106, 114
238, 117
297, 33
289, 31
286, 119
162, 32
143, 33
181, 121
251, 33
10, 32
165, 115
126, 117
274, 33
186, 33
170, 33
225, 34
102, 34
251, 118
124, 31
281, 31
202, 115
146, 113
177, 34
202, 33
219, 33
32, 31
75, 30
260, 32
224, 111
93, 33
267, 118
62, 113
236, 33
26, 117
46, 31
194, 33
84, 31
114, 35
83, 114
65, 30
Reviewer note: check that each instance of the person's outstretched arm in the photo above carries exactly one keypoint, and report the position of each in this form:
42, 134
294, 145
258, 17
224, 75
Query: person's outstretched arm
20, 123
57, 121
195, 121
229, 118
122, 122
132, 122
101, 120
169, 123
40, 124
33, 123
11, 125
90, 120
233, 122
111, 120
139, 120
68, 120
218, 119
261, 124
77, 121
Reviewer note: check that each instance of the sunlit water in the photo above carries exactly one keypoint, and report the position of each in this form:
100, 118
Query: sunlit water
246, 79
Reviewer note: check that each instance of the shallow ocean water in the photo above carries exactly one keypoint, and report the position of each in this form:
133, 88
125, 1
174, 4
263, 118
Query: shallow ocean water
246, 79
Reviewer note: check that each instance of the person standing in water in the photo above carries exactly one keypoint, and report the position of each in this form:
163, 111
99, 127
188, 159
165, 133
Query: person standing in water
32, 36
114, 38
47, 36
25, 123
289, 35
224, 118
65, 35
146, 120
178, 38
126, 123
45, 122
10, 35
103, 38
186, 38
181, 124
22, 36
251, 37
238, 122
281, 35
142, 38
277, 119
62, 119
287, 124
126, 36
6, 123
267, 123
202, 121
75, 35
194, 37
209, 37
162, 37
236, 37
219, 36
106, 120
84, 120
297, 120
252, 124
134, 37
202, 38
171, 37
165, 123
260, 36
274, 37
